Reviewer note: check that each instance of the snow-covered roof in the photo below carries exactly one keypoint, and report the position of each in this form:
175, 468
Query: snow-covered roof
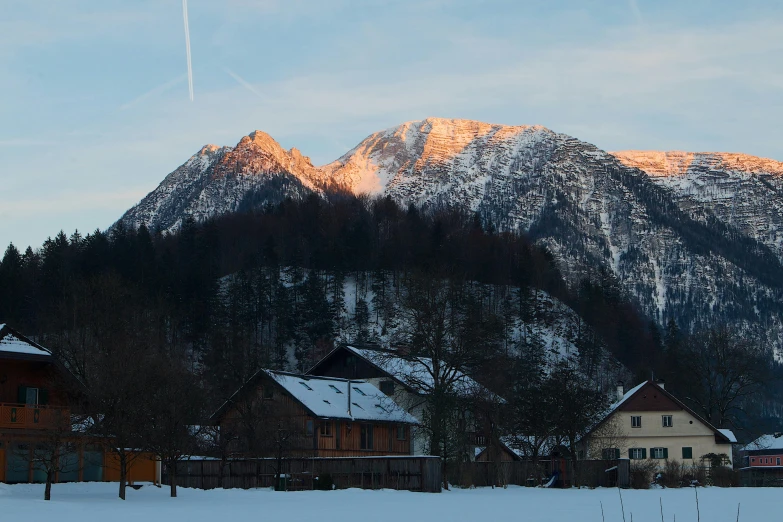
327, 397
414, 372
766, 442
14, 344
728, 434
627, 395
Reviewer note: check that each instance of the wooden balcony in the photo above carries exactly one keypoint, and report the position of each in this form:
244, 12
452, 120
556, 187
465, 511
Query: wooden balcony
32, 417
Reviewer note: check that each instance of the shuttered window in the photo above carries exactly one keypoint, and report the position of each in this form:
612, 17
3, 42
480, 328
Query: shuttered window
687, 452
659, 453
610, 453
637, 453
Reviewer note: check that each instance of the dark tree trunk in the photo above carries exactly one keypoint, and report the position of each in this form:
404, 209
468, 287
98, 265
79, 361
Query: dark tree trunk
49, 480
123, 473
172, 466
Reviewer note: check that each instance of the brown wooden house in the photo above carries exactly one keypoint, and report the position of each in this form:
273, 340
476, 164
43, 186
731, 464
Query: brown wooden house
408, 381
35, 413
277, 414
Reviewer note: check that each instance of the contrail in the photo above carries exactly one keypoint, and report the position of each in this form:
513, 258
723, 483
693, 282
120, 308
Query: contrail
152, 92
241, 81
637, 13
187, 46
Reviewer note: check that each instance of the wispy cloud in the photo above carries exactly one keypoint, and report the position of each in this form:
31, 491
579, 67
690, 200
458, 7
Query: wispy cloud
72, 201
20, 142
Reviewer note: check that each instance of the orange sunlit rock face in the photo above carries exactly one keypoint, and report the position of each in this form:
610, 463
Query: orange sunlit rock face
678, 163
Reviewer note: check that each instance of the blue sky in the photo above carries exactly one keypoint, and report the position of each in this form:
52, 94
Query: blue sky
94, 106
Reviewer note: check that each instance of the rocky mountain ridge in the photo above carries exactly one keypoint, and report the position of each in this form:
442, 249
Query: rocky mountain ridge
691, 237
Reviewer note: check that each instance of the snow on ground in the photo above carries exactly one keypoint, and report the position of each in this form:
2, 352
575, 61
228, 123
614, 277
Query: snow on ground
98, 502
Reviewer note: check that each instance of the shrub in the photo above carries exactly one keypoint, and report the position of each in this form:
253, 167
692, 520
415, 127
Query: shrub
724, 477
642, 474
672, 475
694, 475
324, 482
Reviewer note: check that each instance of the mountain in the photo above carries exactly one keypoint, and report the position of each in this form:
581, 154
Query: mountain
745, 192
659, 223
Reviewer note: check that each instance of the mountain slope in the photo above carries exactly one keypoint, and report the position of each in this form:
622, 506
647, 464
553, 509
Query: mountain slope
680, 255
217, 180
745, 192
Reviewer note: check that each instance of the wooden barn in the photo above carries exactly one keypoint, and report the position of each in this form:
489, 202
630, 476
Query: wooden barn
280, 414
35, 415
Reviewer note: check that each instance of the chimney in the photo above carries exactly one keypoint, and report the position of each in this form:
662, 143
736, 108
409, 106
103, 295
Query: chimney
661, 383
620, 390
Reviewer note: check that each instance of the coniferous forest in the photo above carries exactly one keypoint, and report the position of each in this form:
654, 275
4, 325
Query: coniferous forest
280, 286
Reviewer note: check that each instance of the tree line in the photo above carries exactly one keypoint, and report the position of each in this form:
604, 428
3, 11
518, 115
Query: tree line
141, 317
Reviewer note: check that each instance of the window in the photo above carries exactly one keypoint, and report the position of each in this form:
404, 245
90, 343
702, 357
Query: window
667, 421
366, 437
269, 392
28, 396
610, 453
381, 408
637, 453
310, 428
659, 453
387, 387
326, 428
777, 461
305, 385
636, 421
687, 452
360, 392
335, 388
401, 432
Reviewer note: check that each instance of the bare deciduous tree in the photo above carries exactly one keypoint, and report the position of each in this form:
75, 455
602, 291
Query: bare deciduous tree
724, 372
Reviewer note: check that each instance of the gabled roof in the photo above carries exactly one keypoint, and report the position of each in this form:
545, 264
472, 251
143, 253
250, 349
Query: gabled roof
766, 442
14, 345
413, 372
327, 397
724, 435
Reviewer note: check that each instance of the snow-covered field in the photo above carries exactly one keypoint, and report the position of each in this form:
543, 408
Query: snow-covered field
98, 501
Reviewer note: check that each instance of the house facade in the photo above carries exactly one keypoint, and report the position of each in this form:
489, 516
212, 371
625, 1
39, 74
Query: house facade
285, 414
35, 415
762, 461
406, 380
649, 423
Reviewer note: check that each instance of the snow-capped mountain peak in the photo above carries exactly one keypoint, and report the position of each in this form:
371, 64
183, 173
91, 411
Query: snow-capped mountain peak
693, 236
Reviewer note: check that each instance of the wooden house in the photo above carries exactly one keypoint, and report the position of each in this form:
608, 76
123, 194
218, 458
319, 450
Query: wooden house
35, 413
280, 414
407, 380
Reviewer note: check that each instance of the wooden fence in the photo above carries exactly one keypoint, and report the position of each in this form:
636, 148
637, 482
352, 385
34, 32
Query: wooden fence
404, 473
591, 473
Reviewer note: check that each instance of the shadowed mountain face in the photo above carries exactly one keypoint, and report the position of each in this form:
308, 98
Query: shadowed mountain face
695, 237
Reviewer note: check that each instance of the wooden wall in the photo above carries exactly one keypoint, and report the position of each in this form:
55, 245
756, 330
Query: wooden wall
341, 438
403, 473
346, 365
34, 374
